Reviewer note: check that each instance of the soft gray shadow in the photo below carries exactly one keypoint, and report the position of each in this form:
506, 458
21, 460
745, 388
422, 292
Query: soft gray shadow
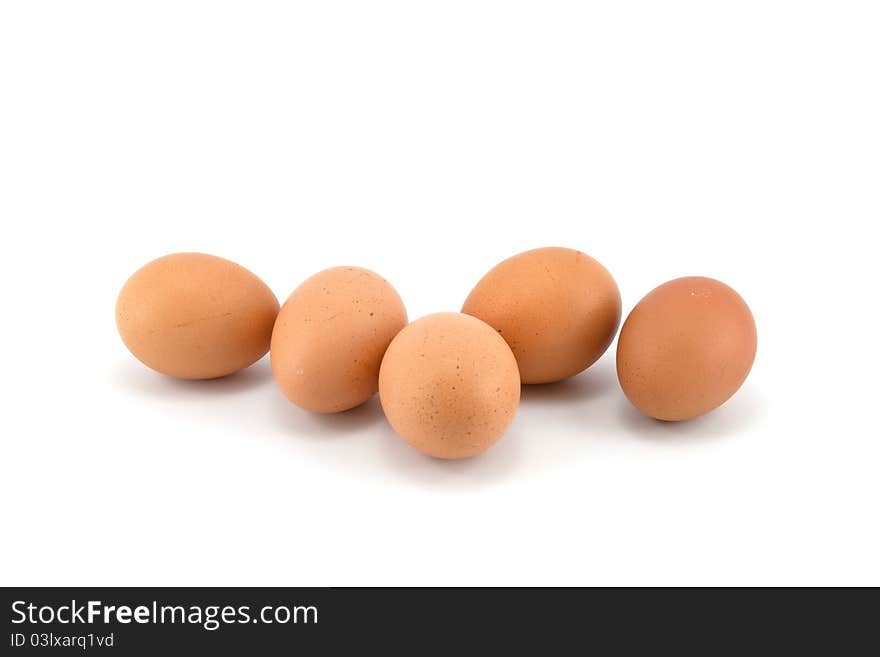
300, 423
497, 463
362, 439
733, 417
141, 380
596, 382
574, 411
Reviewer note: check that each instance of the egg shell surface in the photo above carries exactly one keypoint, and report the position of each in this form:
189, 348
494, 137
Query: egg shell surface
557, 308
195, 316
330, 337
686, 348
449, 385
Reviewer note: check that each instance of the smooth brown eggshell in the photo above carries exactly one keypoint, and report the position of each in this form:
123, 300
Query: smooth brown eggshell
685, 348
557, 308
195, 316
330, 337
449, 385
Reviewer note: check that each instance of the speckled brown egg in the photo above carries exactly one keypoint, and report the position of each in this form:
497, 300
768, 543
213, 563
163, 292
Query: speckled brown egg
330, 337
685, 348
195, 316
449, 385
557, 308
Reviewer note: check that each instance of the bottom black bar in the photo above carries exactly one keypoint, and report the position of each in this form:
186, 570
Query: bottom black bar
147, 621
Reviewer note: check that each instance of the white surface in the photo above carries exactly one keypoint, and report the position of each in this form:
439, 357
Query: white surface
428, 141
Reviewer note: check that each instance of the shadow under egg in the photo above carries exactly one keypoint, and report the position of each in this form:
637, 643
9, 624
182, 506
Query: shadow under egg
139, 379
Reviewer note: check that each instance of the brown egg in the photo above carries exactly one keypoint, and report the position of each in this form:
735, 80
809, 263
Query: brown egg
685, 348
558, 309
195, 316
449, 385
330, 337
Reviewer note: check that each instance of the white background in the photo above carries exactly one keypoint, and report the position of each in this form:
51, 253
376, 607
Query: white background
428, 141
